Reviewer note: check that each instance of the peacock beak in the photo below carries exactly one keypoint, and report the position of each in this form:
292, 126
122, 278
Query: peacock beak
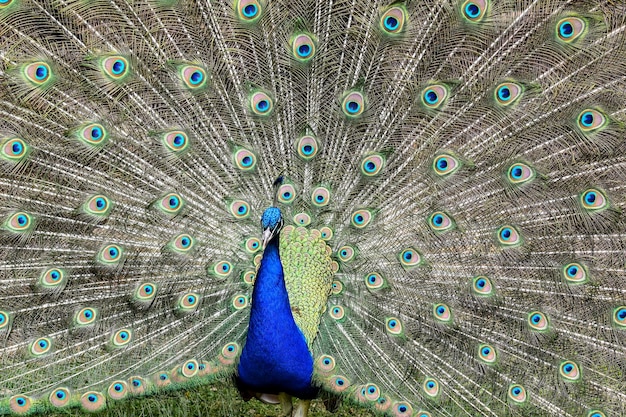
267, 236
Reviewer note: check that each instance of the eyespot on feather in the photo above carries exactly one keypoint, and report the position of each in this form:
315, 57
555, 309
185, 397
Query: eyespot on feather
13, 150
575, 273
393, 21
38, 74
353, 104
593, 200
85, 316
320, 197
244, 159
20, 222
487, 353
474, 10
5, 320
145, 292
92, 134
121, 338
261, 103
517, 393
92, 401
570, 29
619, 317
303, 47
590, 120
570, 371
188, 302
374, 281
110, 254
508, 93
434, 96
337, 312
410, 258
118, 390
508, 236
346, 253
40, 346
325, 363
440, 222
307, 147
20, 404
193, 77
59, 397
442, 313
431, 387
402, 409
361, 218
445, 164
239, 209
393, 326
537, 321
175, 141
98, 205
520, 173
482, 286
52, 278
240, 301
248, 11
286, 193
302, 219
372, 165
115, 67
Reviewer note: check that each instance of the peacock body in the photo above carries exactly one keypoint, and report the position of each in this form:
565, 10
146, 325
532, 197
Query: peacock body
445, 237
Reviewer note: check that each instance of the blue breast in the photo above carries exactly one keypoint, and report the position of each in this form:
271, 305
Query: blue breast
275, 357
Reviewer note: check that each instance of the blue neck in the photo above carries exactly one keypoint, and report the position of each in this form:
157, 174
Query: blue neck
275, 357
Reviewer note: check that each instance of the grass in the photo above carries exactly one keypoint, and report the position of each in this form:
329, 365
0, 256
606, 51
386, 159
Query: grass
207, 400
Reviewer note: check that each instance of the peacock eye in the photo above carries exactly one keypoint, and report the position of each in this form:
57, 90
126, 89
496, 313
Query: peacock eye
475, 10
509, 236
248, 11
307, 147
194, 77
442, 313
13, 149
434, 96
176, 141
593, 200
303, 47
570, 29
445, 164
286, 193
114, 67
520, 173
482, 286
431, 387
37, 73
320, 196
517, 393
92, 134
372, 165
393, 20
261, 104
508, 93
239, 209
353, 104
440, 222
487, 353
591, 120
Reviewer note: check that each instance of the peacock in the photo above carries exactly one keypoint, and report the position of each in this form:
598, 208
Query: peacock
412, 207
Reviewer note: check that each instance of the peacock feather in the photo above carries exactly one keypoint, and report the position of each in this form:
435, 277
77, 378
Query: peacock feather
440, 187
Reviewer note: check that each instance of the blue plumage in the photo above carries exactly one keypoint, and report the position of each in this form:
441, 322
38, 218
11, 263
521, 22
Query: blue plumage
275, 357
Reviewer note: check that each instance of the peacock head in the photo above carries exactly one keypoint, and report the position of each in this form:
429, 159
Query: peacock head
272, 222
